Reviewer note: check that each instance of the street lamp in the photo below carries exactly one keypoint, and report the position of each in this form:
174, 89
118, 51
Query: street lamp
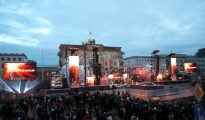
66, 63
85, 69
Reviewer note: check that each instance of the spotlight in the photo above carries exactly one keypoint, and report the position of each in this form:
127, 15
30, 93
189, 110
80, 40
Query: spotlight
29, 85
16, 85
4, 86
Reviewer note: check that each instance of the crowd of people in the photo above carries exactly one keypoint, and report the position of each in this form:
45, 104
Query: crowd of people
99, 106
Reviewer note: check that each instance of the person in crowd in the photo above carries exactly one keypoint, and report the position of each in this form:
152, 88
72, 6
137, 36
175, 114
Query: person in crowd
99, 105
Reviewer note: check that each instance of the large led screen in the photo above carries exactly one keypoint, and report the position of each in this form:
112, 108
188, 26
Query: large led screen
173, 68
57, 81
20, 71
74, 70
189, 67
90, 81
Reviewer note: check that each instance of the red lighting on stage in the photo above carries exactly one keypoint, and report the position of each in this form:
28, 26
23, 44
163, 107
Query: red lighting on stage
90, 81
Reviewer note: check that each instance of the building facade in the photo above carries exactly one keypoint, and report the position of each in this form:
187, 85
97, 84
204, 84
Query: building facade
11, 57
45, 72
109, 57
201, 52
137, 61
96, 57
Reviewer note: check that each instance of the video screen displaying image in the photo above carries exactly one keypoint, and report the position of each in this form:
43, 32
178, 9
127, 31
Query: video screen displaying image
20, 71
189, 67
74, 70
173, 68
57, 81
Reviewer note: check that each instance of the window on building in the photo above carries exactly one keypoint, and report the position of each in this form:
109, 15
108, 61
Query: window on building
14, 59
2, 59
8, 59
106, 63
2, 66
20, 59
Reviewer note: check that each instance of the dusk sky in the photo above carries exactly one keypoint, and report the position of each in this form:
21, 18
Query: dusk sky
138, 26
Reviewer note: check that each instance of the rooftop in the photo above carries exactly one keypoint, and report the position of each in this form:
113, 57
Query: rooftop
13, 54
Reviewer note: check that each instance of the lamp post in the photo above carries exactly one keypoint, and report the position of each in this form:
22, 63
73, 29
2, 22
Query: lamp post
96, 65
66, 63
42, 72
85, 69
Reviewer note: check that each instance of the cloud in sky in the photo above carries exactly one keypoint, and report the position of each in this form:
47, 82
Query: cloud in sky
136, 26
22, 41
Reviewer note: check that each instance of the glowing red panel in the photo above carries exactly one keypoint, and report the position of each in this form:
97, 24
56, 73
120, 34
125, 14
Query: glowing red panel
74, 69
173, 68
20, 71
189, 67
